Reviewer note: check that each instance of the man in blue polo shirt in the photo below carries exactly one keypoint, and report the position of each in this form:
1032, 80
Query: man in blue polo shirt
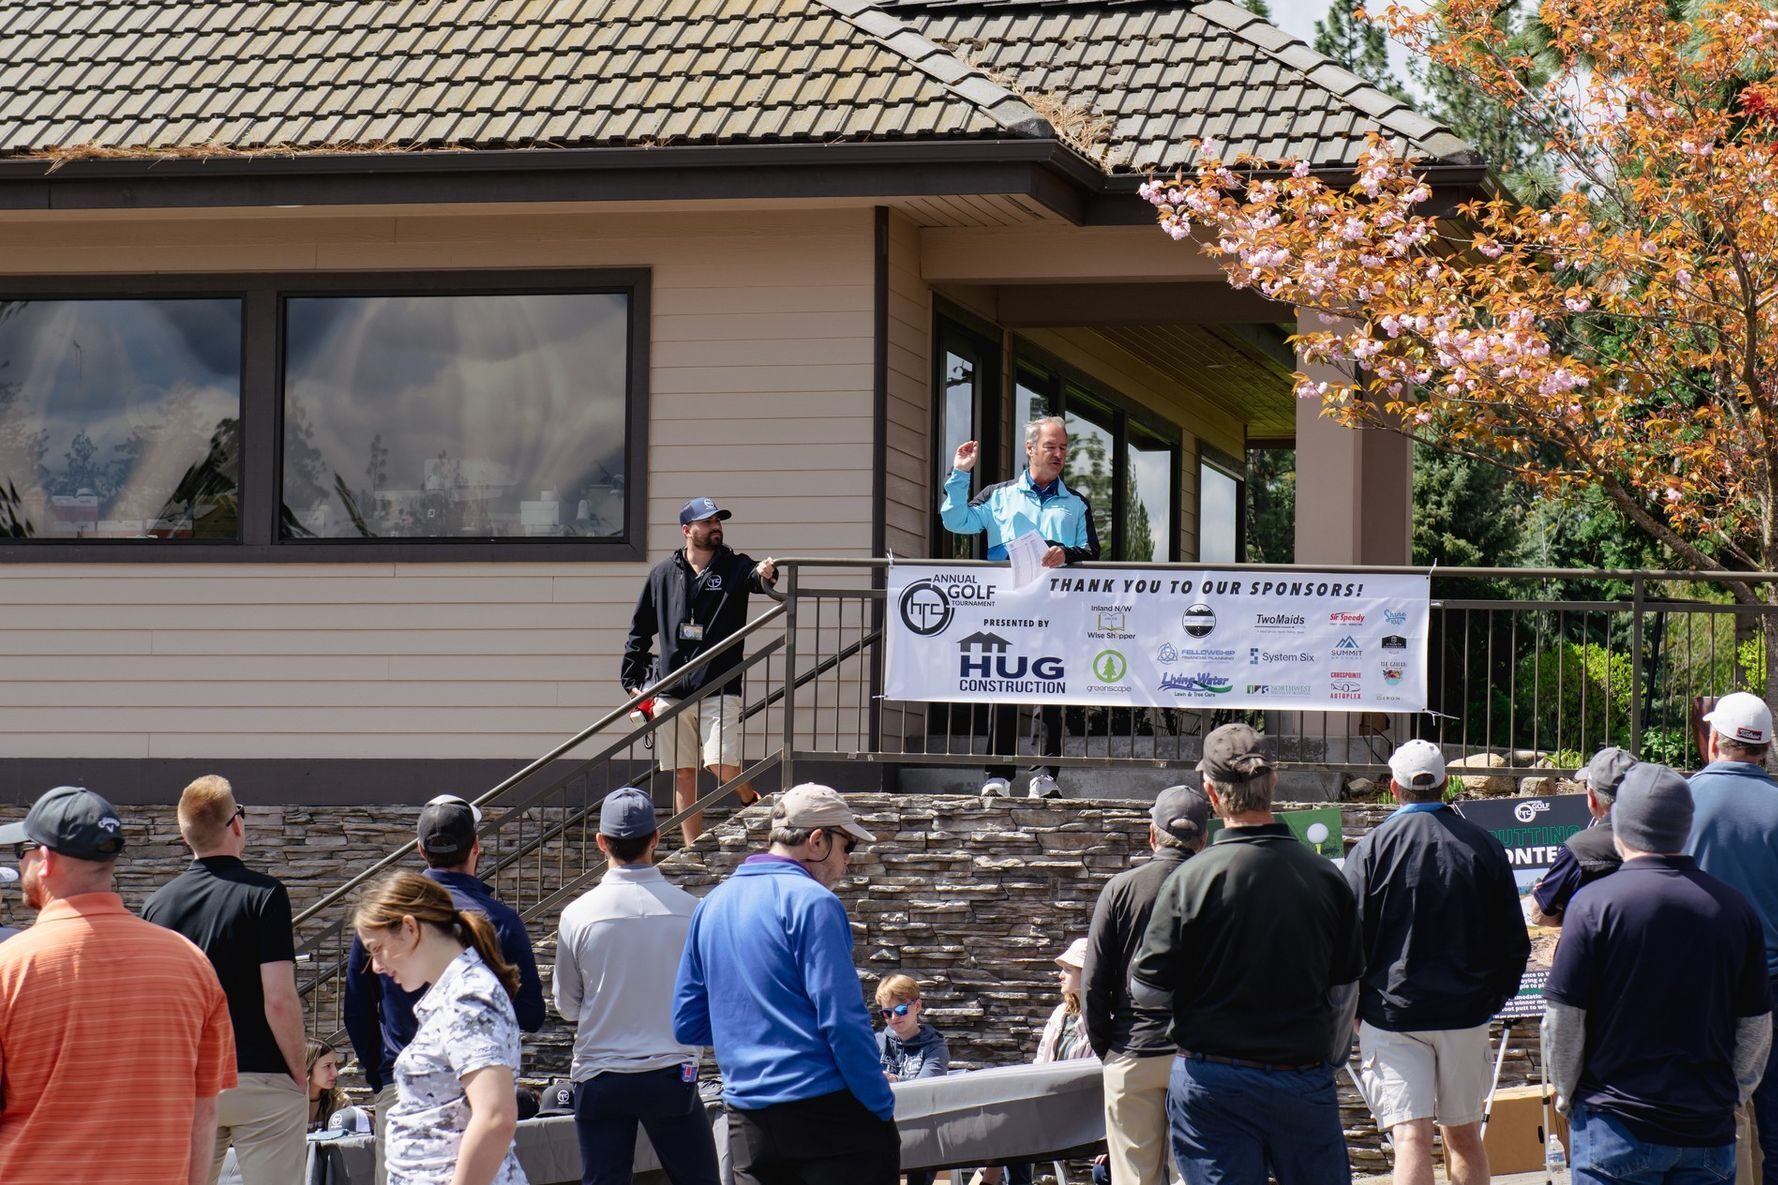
1034, 501
1735, 839
1659, 1011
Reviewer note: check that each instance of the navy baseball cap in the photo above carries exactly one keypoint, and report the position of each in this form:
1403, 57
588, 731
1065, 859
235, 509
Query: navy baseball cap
627, 813
70, 820
699, 509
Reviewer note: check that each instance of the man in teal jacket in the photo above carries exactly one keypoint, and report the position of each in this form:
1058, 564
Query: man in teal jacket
1035, 500
767, 978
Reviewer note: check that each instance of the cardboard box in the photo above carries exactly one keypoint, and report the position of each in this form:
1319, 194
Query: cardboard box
1514, 1138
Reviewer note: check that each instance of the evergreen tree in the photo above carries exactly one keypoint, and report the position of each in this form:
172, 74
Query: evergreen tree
1258, 8
1357, 45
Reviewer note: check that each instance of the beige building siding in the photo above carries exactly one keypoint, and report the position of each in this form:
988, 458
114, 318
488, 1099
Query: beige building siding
760, 395
909, 487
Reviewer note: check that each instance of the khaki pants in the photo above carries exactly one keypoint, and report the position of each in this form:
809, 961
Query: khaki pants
1749, 1164
266, 1118
380, 1134
1136, 1138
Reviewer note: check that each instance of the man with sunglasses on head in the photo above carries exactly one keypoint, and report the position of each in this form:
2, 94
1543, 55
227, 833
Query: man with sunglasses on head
240, 919
767, 979
114, 1033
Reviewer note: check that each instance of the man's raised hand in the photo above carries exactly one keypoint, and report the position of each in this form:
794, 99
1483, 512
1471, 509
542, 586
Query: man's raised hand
967, 452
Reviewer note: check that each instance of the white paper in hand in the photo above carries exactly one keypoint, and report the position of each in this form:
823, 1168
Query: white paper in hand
1026, 553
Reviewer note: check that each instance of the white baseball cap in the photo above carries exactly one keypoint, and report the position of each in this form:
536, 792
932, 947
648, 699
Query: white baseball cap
1417, 765
1742, 716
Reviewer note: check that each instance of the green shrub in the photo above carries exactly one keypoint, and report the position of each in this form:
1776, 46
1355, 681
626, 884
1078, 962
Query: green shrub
1576, 696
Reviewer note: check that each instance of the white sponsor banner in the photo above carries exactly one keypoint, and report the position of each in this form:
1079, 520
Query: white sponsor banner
1320, 641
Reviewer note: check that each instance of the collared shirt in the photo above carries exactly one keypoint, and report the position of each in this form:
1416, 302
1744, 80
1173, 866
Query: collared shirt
1664, 959
110, 1030
617, 953
466, 1024
1735, 838
1008, 509
240, 919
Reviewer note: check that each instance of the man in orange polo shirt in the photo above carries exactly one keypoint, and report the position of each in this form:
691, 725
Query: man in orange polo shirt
114, 1033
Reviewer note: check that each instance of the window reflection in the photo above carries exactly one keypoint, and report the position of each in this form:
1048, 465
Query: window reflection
962, 377
1091, 456
1218, 516
455, 416
1148, 514
120, 419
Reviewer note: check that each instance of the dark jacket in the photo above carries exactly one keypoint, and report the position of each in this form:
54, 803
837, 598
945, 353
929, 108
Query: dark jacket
924, 1055
1120, 919
1586, 856
380, 1015
1249, 937
1444, 936
674, 595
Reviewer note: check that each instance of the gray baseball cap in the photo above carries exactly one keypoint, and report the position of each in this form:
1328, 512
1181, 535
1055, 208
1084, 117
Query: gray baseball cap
1653, 810
627, 813
70, 820
1182, 812
1605, 772
1231, 754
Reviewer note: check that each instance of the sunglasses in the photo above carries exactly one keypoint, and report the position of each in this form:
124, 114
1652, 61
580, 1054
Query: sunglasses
19, 849
898, 1010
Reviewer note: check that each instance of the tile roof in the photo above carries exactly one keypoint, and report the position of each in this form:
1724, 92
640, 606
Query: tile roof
1131, 80
1145, 78
121, 74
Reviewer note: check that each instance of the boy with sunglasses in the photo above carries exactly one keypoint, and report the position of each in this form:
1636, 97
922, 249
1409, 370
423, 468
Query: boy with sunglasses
910, 1048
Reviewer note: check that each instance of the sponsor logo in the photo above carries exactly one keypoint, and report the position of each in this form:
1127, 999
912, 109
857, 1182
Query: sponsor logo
1348, 644
1199, 686
1202, 654
1345, 685
1392, 675
1260, 656
1199, 620
1166, 655
1344, 675
1112, 619
1343, 618
1750, 734
1394, 642
1109, 666
925, 608
1280, 623
987, 662
1528, 810
1395, 616
713, 581
1278, 689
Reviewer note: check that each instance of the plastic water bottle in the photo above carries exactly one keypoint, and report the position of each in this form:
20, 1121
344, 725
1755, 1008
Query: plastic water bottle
1554, 1155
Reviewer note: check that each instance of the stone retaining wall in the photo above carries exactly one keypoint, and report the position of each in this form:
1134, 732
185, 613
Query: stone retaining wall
974, 898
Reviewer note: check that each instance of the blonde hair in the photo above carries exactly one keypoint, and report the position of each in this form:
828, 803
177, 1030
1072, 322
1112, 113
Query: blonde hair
409, 895
329, 1100
206, 807
898, 989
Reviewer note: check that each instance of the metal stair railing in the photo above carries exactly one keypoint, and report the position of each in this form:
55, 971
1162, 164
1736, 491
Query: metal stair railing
538, 824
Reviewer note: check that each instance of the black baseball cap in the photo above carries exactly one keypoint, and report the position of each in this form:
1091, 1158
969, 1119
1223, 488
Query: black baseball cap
447, 826
72, 821
1182, 812
1232, 754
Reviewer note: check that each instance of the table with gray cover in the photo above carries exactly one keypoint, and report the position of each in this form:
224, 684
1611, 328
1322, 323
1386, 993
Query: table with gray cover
982, 1117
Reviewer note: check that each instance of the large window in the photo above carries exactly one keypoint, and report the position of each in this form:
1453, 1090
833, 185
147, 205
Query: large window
968, 381
1220, 511
417, 416
120, 419
1122, 459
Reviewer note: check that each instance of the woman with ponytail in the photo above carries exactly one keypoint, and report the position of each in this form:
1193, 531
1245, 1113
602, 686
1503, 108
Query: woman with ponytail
453, 1121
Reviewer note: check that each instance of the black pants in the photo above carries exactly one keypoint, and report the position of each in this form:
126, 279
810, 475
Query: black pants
831, 1140
1005, 736
607, 1109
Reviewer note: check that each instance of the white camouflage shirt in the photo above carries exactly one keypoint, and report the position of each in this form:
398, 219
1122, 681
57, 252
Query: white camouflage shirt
466, 1022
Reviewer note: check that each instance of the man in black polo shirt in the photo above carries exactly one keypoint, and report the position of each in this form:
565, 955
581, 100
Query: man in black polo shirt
1444, 947
1659, 1012
1133, 1043
1253, 946
241, 920
1589, 853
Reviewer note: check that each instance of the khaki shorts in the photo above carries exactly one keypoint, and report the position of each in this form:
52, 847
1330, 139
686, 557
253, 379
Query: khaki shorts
710, 730
1440, 1075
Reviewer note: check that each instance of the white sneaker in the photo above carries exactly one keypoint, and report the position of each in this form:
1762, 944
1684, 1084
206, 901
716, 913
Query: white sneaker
996, 788
1043, 786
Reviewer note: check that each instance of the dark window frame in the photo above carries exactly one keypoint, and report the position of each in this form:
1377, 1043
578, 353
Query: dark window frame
1235, 471
262, 296
953, 327
1052, 378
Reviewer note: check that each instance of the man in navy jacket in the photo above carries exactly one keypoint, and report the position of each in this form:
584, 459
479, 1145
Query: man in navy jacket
767, 979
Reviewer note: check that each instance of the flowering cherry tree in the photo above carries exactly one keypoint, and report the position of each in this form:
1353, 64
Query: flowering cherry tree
1623, 336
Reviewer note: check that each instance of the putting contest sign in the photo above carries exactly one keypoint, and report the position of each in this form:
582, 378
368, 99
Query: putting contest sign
1137, 637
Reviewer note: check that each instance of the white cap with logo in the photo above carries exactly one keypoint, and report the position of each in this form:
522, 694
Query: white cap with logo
1742, 716
1418, 765
812, 805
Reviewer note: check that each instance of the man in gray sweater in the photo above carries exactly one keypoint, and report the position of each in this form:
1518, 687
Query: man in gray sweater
1135, 1044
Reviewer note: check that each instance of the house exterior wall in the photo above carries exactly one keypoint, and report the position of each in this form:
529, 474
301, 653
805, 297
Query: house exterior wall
760, 395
